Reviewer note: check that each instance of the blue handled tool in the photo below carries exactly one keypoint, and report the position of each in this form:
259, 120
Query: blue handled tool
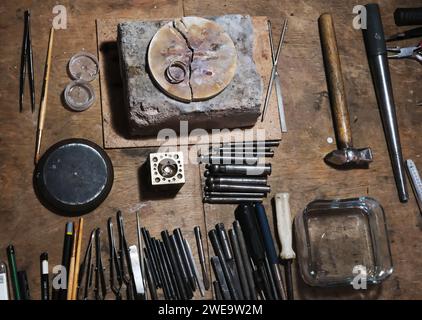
269, 247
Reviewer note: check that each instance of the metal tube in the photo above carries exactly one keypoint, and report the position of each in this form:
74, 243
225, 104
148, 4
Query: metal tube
222, 194
234, 169
237, 180
229, 200
236, 187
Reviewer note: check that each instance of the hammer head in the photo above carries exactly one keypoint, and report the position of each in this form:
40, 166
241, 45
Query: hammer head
349, 157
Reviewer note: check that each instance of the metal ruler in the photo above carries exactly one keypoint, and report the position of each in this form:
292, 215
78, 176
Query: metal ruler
416, 181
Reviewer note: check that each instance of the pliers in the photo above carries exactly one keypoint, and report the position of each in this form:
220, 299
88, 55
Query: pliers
407, 52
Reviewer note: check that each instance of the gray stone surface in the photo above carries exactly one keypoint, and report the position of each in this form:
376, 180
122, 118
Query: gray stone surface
150, 110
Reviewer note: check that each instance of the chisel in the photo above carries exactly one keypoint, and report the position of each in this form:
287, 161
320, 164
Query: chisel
284, 228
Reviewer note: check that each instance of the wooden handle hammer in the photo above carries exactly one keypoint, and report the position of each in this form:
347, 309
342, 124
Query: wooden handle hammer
345, 155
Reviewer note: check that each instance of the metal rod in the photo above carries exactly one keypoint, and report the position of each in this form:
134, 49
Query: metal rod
229, 200
278, 91
201, 255
273, 70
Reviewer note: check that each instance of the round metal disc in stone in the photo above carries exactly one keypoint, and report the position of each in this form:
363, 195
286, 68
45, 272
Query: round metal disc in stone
192, 59
73, 177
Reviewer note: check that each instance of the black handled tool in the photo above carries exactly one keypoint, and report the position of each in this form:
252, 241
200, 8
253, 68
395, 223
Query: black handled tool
175, 264
218, 250
151, 258
185, 257
270, 248
86, 271
408, 16
181, 266
223, 288
27, 58
246, 216
24, 285
170, 271
408, 34
377, 58
151, 285
45, 286
67, 253
100, 289
228, 256
124, 257
245, 258
239, 264
168, 289
116, 276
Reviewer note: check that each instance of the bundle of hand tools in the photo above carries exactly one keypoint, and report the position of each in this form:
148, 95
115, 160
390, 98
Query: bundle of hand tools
136, 272
245, 263
237, 172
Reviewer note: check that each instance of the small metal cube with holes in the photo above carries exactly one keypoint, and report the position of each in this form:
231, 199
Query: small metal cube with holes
167, 170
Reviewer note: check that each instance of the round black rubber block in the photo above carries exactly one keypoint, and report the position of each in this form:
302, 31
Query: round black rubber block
73, 177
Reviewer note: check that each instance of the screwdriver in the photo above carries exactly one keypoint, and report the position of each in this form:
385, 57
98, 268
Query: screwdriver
269, 247
284, 227
246, 217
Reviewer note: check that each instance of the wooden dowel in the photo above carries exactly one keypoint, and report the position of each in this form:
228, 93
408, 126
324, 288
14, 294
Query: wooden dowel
77, 259
71, 272
43, 106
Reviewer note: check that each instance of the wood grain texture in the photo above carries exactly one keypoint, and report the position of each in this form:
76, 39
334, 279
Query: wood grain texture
298, 166
335, 83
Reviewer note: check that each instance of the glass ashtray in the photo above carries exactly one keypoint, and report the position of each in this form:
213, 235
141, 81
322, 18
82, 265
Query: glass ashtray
343, 242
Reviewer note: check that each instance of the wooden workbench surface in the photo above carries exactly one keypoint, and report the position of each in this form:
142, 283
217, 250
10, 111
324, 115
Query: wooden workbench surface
297, 167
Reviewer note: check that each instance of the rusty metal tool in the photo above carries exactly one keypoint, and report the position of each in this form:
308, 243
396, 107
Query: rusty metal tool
346, 154
377, 58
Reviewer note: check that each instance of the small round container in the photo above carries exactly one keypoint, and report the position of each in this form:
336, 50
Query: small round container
83, 66
79, 95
